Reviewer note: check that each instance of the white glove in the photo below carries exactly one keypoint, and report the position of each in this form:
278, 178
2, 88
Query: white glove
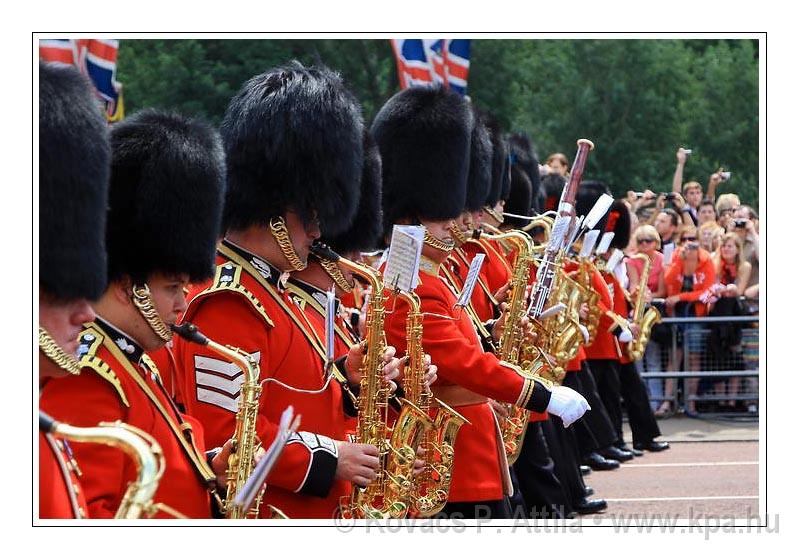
567, 404
584, 332
625, 336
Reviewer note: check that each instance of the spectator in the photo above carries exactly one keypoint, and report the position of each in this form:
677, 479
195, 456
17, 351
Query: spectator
648, 242
692, 191
559, 164
666, 225
724, 345
726, 204
706, 212
688, 277
743, 224
710, 236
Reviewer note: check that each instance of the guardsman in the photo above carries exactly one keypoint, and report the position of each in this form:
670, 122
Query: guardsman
293, 140
74, 163
424, 138
165, 207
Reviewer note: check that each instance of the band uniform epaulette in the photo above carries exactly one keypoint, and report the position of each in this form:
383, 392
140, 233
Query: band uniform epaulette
89, 341
227, 278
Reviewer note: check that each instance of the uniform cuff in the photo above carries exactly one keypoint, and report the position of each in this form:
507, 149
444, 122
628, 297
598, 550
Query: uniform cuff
321, 474
540, 398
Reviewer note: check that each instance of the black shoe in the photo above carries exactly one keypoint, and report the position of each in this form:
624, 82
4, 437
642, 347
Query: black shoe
599, 463
586, 470
615, 453
587, 491
585, 506
635, 452
652, 446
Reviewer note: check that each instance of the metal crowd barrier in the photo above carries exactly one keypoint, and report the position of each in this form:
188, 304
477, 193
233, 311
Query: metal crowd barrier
699, 365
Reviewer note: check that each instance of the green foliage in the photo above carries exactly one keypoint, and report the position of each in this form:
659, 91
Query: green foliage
638, 100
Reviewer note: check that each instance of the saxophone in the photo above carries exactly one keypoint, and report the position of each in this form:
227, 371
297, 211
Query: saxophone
431, 487
583, 279
241, 461
139, 445
389, 495
644, 319
513, 427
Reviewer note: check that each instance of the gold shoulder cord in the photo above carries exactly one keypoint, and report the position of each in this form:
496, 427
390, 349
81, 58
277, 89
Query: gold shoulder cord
277, 226
52, 350
450, 282
437, 243
209, 478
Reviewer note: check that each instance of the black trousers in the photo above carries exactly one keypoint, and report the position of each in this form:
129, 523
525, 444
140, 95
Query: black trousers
637, 404
564, 450
594, 430
606, 376
543, 494
497, 509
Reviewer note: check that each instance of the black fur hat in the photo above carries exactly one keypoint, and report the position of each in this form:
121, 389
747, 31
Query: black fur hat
74, 163
366, 231
166, 195
424, 138
293, 140
479, 180
519, 197
500, 179
553, 186
617, 219
524, 155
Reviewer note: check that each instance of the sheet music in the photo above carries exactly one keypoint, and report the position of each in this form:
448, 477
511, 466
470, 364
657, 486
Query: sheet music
402, 266
614, 260
605, 242
288, 424
576, 229
589, 241
330, 317
472, 279
598, 210
558, 233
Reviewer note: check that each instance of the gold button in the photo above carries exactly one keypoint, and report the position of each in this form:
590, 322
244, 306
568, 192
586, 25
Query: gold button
76, 488
81, 513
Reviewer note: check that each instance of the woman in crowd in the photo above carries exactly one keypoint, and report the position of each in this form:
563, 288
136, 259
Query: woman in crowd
648, 242
558, 163
710, 236
688, 277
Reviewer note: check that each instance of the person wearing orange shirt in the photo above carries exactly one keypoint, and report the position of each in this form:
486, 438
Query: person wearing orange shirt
690, 274
164, 211
74, 158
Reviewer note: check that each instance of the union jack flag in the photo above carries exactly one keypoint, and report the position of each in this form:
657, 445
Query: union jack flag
96, 58
433, 61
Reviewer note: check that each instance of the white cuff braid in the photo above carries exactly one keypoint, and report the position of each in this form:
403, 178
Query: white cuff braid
567, 404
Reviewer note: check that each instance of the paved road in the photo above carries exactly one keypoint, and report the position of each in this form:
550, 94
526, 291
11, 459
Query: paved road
711, 469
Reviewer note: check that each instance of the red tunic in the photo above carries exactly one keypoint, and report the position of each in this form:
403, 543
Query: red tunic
124, 385
496, 268
605, 345
482, 299
620, 308
480, 467
60, 493
244, 307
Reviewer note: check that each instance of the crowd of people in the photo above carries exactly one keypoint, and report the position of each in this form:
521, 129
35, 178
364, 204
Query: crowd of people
161, 221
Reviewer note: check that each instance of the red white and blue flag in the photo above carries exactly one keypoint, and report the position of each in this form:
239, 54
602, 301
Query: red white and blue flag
432, 61
96, 58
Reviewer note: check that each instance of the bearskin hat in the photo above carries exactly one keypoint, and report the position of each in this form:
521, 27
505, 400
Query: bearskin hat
165, 198
74, 163
553, 186
500, 180
367, 229
524, 155
519, 197
479, 180
617, 219
424, 139
293, 140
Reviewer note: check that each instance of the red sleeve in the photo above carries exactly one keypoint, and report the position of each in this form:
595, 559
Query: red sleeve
672, 277
460, 359
108, 470
229, 319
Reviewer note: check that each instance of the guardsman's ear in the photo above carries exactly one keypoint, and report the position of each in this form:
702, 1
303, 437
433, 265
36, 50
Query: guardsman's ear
122, 290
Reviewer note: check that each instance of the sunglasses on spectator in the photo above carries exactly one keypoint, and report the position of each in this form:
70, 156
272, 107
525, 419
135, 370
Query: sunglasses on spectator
688, 239
645, 240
